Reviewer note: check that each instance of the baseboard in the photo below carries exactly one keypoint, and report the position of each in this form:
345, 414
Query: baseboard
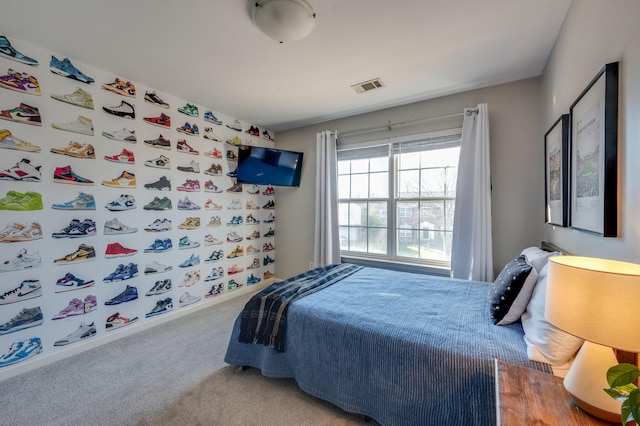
45, 359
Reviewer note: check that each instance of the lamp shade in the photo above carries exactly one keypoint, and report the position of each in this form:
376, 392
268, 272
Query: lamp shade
595, 299
284, 20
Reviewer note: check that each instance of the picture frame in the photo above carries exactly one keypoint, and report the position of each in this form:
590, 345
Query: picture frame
556, 171
594, 155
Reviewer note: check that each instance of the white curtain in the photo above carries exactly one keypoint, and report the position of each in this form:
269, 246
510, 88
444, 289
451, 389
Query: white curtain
327, 242
472, 248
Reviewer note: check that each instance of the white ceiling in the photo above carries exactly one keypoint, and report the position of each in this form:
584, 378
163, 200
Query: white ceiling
209, 52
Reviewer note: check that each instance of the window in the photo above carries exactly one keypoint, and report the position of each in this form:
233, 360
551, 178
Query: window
397, 199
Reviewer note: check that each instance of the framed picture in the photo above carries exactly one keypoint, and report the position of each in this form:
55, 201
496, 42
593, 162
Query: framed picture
556, 169
594, 156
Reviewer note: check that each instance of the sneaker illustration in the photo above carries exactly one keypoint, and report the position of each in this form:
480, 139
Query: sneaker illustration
28, 289
159, 142
214, 221
8, 141
189, 129
251, 205
215, 256
159, 246
153, 99
130, 293
255, 264
18, 201
210, 187
233, 285
159, 225
22, 260
124, 110
186, 243
159, 204
78, 97
268, 275
190, 278
156, 268
237, 252
162, 120
253, 280
233, 173
232, 156
235, 221
66, 69
23, 113
26, 318
121, 87
162, 307
193, 260
115, 227
122, 135
267, 260
66, 175
192, 167
23, 171
125, 156
186, 299
270, 205
189, 109
10, 52
216, 273
21, 351
214, 170
123, 202
210, 240
252, 250
77, 229
82, 254
161, 286
187, 204
117, 250
210, 205
234, 141
83, 125
267, 136
190, 223
270, 233
268, 247
254, 235
183, 146
235, 126
20, 82
269, 191
252, 220
234, 269
161, 162
77, 307
122, 272
214, 153
235, 205
270, 219
216, 290
116, 321
70, 282
162, 184
208, 116
84, 331
191, 185
253, 131
235, 188
125, 180
82, 202
76, 150
253, 189
211, 135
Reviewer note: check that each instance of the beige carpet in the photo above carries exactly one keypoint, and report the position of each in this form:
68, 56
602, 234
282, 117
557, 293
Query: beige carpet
234, 397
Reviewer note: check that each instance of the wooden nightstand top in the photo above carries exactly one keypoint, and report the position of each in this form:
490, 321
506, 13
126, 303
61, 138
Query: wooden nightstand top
529, 397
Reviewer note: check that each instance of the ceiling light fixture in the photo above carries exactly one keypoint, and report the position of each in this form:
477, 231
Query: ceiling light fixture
284, 20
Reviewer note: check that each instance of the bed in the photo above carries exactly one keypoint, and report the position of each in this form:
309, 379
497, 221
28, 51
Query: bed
400, 348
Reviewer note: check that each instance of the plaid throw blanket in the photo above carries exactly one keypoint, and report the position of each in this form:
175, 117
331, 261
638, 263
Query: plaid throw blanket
264, 317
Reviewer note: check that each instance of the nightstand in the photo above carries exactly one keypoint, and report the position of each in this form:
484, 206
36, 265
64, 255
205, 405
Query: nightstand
529, 397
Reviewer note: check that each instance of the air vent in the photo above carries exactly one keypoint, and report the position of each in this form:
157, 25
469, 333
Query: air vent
367, 86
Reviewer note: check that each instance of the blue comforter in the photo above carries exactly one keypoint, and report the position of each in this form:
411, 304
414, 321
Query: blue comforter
404, 349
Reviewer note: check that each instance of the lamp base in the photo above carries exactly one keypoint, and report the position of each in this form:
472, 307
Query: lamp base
587, 378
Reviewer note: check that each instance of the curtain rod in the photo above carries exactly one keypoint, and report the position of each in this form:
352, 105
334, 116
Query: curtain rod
403, 123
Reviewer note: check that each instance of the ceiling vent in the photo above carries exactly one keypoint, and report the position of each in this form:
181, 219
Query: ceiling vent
367, 86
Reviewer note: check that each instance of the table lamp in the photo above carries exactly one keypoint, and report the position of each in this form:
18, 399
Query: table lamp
597, 300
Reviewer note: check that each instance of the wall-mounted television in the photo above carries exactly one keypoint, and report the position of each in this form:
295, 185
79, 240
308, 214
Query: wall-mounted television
269, 166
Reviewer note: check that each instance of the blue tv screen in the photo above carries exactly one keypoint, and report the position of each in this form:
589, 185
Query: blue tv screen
269, 166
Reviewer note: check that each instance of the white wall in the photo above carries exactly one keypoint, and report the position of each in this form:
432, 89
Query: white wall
516, 161
596, 32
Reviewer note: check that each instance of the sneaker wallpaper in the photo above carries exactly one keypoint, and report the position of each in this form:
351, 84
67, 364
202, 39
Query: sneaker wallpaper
75, 260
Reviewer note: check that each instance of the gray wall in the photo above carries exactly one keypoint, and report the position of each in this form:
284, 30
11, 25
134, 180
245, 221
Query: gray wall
594, 33
516, 164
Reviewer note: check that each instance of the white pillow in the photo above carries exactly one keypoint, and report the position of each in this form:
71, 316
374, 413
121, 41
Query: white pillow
537, 257
545, 342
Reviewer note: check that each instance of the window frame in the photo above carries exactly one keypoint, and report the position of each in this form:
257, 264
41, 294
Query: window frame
392, 259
